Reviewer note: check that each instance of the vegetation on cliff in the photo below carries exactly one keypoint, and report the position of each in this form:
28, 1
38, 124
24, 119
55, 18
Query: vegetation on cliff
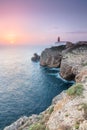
75, 90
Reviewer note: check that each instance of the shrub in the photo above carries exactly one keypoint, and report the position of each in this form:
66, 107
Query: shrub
51, 110
84, 64
66, 115
75, 90
84, 106
37, 126
77, 125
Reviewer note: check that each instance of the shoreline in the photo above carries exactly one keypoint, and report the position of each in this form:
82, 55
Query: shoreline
23, 119
64, 106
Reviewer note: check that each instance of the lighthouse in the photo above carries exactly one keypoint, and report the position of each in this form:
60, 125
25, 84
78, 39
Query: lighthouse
58, 40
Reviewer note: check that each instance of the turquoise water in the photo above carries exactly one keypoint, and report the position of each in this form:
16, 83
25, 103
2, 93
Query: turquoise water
25, 87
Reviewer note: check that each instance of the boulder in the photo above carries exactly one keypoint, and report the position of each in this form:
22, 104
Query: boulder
35, 58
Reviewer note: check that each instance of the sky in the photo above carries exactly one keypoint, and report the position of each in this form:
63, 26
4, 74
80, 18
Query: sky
42, 21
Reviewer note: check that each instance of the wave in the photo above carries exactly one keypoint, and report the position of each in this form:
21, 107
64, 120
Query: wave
66, 81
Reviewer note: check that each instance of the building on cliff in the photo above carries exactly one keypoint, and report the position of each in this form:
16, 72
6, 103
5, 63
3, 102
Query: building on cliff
59, 42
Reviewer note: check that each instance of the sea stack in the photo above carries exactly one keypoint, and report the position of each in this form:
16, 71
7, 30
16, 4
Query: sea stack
35, 58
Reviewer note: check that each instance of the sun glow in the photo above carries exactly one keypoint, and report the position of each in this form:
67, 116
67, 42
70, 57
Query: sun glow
11, 38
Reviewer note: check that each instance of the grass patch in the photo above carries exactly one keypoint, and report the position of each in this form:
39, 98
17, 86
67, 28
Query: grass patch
51, 110
38, 126
77, 125
75, 90
84, 64
84, 107
66, 115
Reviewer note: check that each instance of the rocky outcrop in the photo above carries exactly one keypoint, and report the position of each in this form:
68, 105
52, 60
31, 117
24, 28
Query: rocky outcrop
71, 58
70, 113
17, 124
74, 59
51, 57
69, 45
35, 58
80, 77
34, 121
66, 113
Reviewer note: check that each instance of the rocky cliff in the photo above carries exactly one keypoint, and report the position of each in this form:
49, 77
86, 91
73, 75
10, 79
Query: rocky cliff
69, 109
71, 58
74, 59
51, 57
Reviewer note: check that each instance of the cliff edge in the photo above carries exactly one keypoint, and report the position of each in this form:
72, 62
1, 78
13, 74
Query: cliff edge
69, 109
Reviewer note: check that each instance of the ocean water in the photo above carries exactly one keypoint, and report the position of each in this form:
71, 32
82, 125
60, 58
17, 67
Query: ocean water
25, 87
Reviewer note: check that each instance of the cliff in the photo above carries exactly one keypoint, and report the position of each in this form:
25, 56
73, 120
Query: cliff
69, 109
51, 57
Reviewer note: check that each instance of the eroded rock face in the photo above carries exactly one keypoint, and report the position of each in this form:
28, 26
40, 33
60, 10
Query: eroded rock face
82, 75
22, 123
74, 59
69, 113
51, 57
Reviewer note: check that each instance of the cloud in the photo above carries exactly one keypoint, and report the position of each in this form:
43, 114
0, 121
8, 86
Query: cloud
55, 28
77, 32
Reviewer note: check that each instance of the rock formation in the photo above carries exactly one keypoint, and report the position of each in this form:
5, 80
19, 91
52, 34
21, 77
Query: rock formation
70, 112
74, 59
69, 45
17, 124
51, 57
35, 58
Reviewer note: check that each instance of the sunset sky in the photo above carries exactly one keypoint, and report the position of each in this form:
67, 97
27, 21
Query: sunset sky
41, 21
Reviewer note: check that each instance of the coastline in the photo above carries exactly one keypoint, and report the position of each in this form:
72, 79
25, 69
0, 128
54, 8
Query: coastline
24, 122
64, 109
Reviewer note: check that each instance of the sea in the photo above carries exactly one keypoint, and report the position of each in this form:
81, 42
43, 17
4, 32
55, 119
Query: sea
26, 88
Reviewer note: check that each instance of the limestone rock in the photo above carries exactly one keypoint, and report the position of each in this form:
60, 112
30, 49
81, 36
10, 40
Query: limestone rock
82, 76
74, 59
58, 97
17, 124
83, 126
